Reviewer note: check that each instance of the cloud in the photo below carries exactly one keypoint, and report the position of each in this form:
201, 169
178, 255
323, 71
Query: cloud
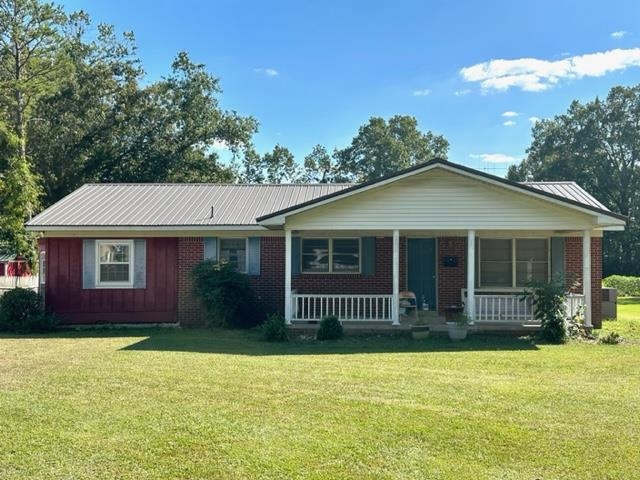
220, 145
269, 72
536, 75
421, 93
510, 114
509, 123
534, 119
494, 157
619, 34
461, 93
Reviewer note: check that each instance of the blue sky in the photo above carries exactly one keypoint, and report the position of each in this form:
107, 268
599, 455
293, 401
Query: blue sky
313, 72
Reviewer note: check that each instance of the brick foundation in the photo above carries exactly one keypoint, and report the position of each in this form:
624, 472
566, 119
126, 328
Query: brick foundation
573, 272
451, 279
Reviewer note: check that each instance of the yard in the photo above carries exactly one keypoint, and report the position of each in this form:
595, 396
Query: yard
222, 404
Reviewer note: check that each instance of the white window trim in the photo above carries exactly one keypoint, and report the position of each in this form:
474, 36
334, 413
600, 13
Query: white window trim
331, 271
246, 251
101, 284
513, 286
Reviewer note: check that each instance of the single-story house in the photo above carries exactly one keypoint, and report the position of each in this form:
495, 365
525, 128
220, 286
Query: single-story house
14, 271
450, 234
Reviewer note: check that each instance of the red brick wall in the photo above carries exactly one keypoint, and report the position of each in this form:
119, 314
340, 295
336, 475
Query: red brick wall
573, 272
451, 279
269, 285
190, 253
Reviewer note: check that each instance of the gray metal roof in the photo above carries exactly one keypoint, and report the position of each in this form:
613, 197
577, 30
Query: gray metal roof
570, 190
146, 205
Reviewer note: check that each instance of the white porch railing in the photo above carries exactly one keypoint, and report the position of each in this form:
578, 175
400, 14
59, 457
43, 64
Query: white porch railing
345, 307
9, 282
513, 307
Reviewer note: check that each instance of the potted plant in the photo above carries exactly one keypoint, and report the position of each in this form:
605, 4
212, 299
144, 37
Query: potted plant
419, 329
458, 327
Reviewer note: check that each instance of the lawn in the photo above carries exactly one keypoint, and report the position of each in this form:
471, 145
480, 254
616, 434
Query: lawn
222, 404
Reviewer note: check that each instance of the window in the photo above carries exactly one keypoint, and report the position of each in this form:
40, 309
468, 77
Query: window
115, 263
331, 255
234, 252
513, 262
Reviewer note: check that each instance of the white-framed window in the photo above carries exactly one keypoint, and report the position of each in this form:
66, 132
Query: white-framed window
114, 263
234, 252
513, 262
331, 255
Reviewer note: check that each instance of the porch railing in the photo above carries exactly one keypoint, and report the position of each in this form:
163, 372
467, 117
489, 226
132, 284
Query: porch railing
345, 307
10, 282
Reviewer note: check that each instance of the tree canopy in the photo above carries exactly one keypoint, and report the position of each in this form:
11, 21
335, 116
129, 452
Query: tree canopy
597, 145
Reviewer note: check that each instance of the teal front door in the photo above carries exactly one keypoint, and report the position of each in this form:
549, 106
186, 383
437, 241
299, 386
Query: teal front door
421, 270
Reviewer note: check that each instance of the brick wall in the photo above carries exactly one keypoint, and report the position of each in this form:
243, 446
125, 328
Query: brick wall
269, 285
573, 272
190, 253
451, 279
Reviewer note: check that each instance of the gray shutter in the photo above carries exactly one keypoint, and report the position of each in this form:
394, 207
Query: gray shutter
211, 248
557, 257
295, 255
88, 264
139, 264
368, 245
254, 256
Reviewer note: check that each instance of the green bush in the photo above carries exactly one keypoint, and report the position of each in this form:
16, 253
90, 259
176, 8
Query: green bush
548, 301
330, 329
227, 295
21, 311
610, 338
626, 286
274, 329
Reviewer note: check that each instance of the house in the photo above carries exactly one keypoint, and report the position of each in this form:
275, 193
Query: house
14, 272
451, 234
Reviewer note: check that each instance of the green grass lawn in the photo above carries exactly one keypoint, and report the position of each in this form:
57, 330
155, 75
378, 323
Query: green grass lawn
628, 321
222, 404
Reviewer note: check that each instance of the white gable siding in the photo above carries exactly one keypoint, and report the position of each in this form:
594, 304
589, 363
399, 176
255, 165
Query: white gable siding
439, 199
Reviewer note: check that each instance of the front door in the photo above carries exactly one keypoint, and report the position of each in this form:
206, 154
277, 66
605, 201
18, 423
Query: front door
421, 270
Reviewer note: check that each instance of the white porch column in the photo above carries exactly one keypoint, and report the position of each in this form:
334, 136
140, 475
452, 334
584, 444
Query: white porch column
586, 276
395, 307
287, 277
471, 275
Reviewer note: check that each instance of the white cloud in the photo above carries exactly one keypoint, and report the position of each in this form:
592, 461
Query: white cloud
509, 123
536, 75
510, 114
220, 145
534, 119
421, 93
269, 72
461, 93
619, 34
495, 157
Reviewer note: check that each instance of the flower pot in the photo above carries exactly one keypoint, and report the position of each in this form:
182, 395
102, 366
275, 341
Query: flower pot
457, 331
419, 332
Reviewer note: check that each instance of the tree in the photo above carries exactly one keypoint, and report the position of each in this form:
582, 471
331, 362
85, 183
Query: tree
383, 147
596, 144
319, 166
277, 166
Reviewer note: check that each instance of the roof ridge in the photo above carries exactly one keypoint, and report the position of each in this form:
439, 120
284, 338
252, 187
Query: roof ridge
185, 184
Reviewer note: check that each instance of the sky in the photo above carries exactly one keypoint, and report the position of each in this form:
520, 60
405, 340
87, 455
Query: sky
313, 72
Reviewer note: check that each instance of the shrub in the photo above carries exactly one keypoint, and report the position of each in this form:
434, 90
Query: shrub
610, 338
548, 301
274, 329
226, 295
626, 286
330, 329
21, 311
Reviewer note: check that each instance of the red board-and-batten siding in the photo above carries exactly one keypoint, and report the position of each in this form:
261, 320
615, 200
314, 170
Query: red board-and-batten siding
157, 303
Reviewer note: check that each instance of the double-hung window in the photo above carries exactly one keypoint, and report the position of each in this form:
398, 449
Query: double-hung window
331, 255
114, 263
234, 252
513, 263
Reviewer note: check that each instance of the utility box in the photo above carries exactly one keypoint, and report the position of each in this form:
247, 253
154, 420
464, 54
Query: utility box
609, 303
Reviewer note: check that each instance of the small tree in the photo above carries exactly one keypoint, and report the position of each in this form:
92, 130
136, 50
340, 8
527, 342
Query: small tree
549, 308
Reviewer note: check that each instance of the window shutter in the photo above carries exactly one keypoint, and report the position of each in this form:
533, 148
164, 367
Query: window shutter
88, 264
557, 257
253, 268
211, 248
295, 255
368, 254
140, 264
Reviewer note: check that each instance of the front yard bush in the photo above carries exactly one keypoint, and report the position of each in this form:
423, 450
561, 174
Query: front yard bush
548, 301
626, 286
227, 295
21, 312
274, 329
330, 329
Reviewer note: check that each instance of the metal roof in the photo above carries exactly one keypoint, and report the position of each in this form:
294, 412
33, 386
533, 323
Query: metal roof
7, 257
147, 205
570, 190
